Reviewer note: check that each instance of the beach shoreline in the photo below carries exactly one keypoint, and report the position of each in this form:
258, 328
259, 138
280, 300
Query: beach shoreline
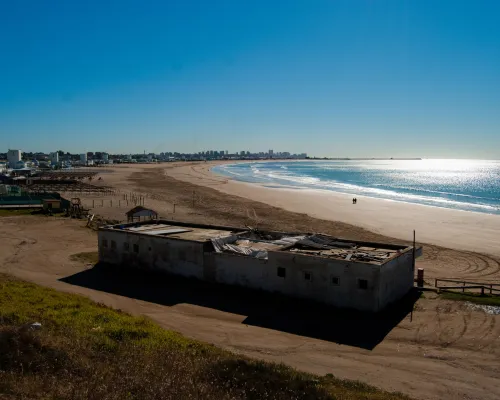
456, 229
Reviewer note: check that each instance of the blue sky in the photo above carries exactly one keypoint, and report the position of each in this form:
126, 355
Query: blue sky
331, 78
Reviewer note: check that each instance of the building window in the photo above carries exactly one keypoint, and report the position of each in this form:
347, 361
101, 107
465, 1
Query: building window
335, 281
104, 243
126, 246
113, 244
363, 284
281, 272
136, 248
308, 276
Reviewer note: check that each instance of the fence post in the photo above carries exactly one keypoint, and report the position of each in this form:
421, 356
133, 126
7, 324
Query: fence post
463, 287
491, 288
436, 283
482, 290
93, 203
174, 208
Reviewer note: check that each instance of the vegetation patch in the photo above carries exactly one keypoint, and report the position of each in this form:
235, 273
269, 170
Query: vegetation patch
85, 350
15, 212
476, 298
89, 257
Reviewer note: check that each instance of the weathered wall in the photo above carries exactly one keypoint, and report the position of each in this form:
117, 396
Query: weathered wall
396, 279
263, 274
156, 253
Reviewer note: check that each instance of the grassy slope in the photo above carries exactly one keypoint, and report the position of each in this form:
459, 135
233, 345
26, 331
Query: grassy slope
85, 350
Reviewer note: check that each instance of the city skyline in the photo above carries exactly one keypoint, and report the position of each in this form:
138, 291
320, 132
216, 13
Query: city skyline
336, 79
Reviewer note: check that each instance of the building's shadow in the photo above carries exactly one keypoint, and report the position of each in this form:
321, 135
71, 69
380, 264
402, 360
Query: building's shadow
267, 310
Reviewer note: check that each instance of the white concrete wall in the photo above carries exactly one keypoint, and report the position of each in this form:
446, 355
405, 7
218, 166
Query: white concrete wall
263, 274
396, 279
155, 253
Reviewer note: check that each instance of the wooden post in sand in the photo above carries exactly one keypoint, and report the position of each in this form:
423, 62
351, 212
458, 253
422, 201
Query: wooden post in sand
414, 251
174, 208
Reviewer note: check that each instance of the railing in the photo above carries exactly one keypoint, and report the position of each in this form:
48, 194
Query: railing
492, 288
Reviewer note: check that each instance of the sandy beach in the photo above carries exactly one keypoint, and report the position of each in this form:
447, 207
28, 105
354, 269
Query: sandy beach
455, 229
456, 244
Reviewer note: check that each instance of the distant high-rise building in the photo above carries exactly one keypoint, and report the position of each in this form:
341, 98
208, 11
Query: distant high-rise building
13, 157
242, 153
54, 158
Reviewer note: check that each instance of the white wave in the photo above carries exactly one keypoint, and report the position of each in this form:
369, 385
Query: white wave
282, 175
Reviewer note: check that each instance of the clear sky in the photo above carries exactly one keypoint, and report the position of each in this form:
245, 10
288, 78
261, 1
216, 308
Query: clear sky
330, 78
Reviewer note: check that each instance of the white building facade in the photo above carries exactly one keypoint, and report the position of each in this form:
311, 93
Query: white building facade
13, 157
54, 158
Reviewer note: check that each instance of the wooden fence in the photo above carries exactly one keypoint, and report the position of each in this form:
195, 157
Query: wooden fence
460, 285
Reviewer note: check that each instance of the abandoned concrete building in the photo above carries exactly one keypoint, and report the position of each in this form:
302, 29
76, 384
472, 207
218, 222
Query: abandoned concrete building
347, 274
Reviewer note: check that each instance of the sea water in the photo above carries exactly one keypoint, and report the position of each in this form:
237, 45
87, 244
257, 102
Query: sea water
468, 185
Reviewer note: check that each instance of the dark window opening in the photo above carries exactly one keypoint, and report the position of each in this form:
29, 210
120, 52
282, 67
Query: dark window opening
104, 243
363, 284
281, 272
335, 280
307, 276
136, 248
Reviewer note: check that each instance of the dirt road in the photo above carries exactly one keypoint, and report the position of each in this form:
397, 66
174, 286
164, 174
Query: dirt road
447, 351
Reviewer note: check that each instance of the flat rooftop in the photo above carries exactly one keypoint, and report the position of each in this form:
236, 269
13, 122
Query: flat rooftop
173, 230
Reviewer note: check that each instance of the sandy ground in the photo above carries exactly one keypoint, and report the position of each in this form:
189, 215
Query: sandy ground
446, 350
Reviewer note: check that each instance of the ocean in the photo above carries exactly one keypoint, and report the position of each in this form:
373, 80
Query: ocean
467, 185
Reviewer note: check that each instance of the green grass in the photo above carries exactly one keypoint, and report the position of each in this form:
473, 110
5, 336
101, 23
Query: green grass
14, 212
472, 297
90, 257
86, 350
